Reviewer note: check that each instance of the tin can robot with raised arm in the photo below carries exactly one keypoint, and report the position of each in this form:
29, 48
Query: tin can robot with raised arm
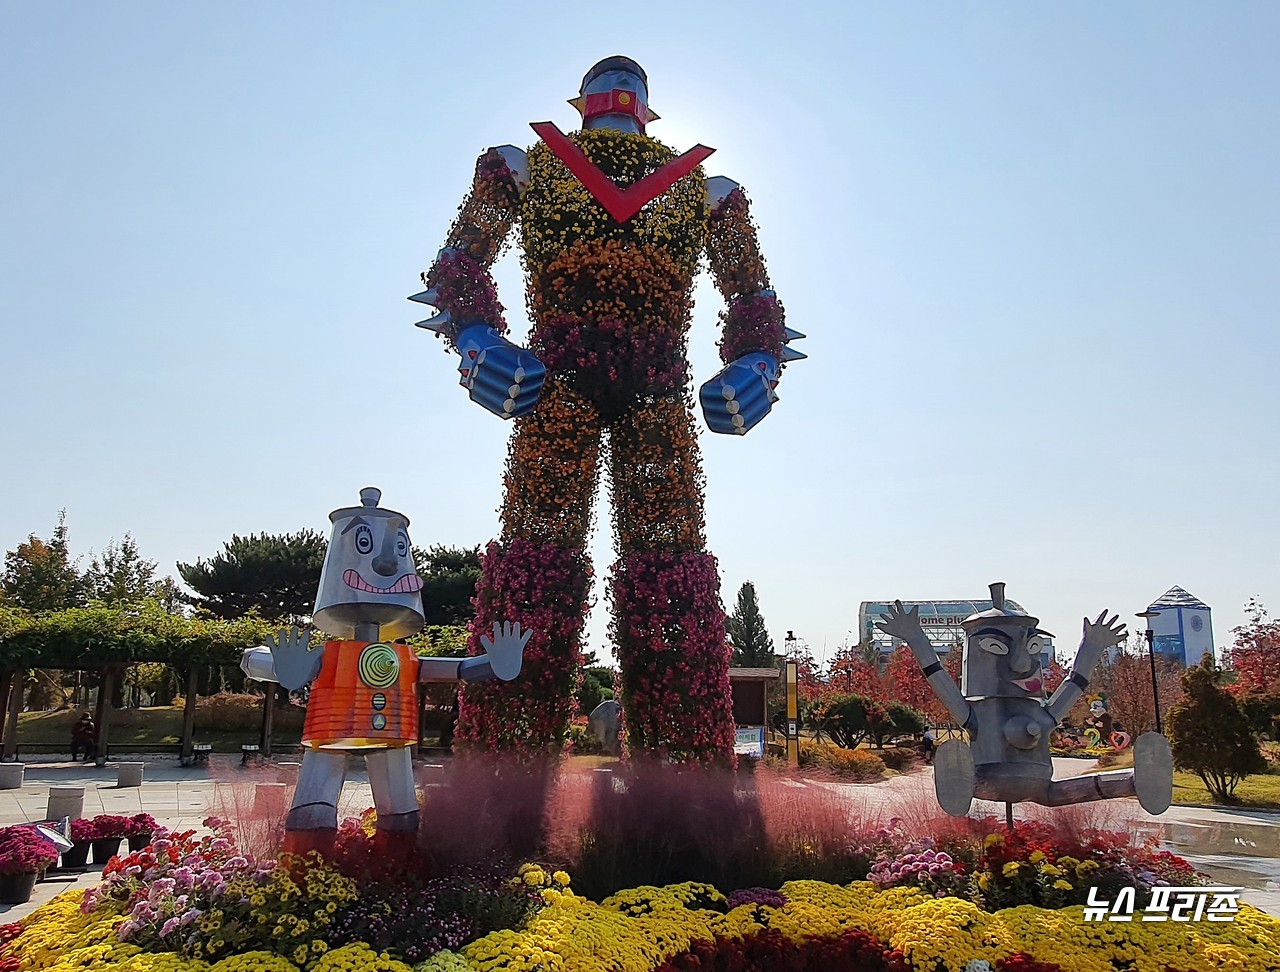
363, 699
1003, 709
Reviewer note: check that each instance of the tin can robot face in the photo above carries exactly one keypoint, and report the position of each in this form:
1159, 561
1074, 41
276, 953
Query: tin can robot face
1004, 652
369, 576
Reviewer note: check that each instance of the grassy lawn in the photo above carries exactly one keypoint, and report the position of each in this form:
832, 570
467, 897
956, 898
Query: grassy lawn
1259, 792
51, 731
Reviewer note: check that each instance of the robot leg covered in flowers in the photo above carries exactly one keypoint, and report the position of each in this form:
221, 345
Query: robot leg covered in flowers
613, 225
363, 698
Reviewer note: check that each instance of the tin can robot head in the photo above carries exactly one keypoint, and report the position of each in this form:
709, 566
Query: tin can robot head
1005, 652
368, 575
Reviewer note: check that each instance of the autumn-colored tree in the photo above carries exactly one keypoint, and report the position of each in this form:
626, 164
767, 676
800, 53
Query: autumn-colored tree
39, 575
1256, 654
1126, 681
909, 686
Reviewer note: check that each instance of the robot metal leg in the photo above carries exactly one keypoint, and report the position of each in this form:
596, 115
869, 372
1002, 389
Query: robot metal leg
394, 795
313, 818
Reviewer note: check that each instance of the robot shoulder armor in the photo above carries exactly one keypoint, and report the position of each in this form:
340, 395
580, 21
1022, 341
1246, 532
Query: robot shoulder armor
718, 189
517, 161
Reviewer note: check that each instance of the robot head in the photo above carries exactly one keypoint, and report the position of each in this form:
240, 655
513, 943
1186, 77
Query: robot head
615, 94
368, 575
1004, 652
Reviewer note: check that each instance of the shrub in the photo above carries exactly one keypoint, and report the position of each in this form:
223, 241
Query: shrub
581, 741
1210, 735
901, 758
843, 717
846, 764
242, 712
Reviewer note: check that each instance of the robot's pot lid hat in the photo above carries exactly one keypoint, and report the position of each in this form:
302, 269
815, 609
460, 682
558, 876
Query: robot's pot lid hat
1000, 614
368, 576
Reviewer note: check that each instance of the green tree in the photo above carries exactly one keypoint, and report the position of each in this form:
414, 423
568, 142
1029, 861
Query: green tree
752, 646
275, 575
120, 574
449, 576
1210, 735
39, 575
596, 685
843, 717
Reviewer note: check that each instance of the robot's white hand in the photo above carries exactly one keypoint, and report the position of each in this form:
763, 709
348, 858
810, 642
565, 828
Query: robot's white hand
295, 663
506, 649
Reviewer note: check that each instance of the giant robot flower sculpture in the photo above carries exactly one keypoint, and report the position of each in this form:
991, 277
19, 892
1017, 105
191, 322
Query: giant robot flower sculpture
612, 226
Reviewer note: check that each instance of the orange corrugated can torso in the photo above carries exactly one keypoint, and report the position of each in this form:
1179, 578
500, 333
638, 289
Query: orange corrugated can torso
365, 697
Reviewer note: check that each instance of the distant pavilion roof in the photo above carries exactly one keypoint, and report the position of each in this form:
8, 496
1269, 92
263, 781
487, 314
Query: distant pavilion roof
755, 674
1176, 597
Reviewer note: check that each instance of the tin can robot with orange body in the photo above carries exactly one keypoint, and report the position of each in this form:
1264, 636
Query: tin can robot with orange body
363, 698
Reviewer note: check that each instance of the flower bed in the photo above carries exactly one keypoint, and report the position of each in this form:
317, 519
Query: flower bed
956, 901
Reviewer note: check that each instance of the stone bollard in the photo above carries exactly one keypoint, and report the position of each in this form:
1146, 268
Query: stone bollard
129, 774
65, 801
11, 775
269, 798
288, 773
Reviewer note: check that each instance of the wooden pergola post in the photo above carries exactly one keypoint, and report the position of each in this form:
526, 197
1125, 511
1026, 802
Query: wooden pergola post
189, 718
13, 685
104, 712
268, 719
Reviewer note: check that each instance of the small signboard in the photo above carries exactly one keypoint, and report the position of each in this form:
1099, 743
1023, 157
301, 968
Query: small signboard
749, 741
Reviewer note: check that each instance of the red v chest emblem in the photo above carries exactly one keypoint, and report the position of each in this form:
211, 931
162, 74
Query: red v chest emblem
621, 204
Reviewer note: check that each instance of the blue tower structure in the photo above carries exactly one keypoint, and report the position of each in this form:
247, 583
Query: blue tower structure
1183, 631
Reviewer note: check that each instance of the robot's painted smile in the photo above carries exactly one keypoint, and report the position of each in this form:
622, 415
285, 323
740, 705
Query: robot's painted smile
407, 584
1032, 685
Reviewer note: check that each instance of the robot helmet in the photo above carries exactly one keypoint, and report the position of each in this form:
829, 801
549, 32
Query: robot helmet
368, 575
615, 94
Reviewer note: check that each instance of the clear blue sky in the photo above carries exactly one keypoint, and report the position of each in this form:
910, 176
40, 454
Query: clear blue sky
1034, 247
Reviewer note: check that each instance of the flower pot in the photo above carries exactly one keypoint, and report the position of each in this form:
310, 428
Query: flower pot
16, 888
77, 856
105, 848
139, 842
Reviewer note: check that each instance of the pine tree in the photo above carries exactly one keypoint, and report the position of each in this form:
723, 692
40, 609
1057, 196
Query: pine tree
276, 575
1210, 734
752, 646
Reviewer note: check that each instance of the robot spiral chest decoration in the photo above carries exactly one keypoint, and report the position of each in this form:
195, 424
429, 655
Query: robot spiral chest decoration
612, 227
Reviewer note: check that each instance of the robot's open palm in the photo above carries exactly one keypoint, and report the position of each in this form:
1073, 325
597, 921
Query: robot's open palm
506, 649
901, 623
295, 663
1100, 635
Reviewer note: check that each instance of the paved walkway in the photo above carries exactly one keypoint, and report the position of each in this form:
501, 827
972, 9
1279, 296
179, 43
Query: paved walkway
1236, 847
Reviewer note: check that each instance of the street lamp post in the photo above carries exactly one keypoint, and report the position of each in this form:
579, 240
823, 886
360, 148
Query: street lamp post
790, 641
1151, 654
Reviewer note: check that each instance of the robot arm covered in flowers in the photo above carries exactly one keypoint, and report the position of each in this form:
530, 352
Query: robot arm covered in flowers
754, 347
497, 374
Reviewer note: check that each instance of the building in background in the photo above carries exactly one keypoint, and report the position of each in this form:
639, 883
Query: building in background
940, 620
1183, 631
